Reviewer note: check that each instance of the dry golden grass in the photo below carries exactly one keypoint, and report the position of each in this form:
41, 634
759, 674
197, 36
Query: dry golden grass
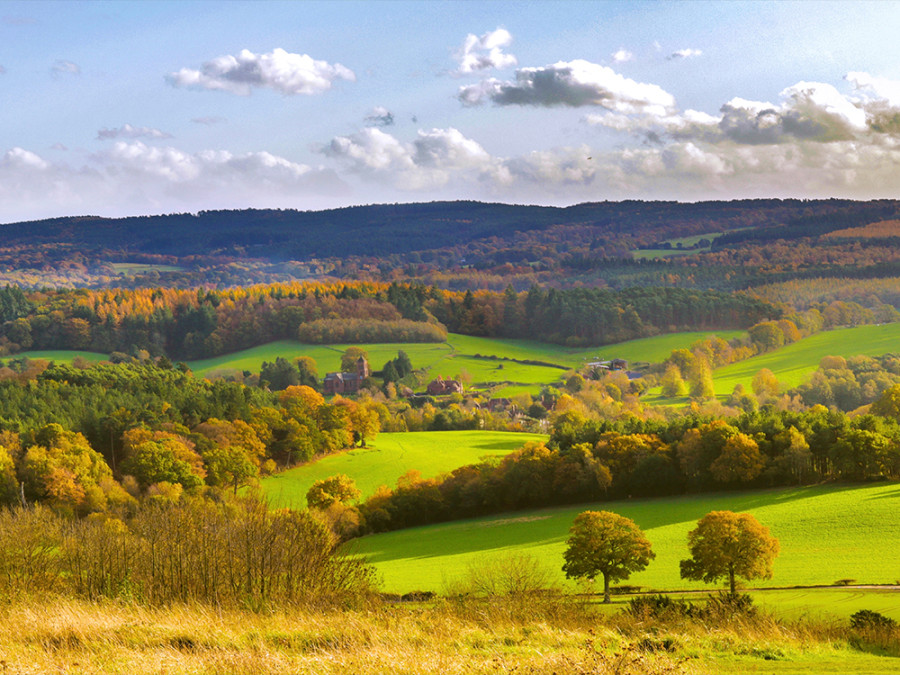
59, 635
69, 636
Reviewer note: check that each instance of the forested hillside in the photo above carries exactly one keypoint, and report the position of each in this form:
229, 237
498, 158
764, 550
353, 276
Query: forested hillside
465, 245
190, 324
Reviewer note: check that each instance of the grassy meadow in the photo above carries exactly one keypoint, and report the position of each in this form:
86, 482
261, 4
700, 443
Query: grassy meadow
61, 355
826, 533
796, 362
390, 456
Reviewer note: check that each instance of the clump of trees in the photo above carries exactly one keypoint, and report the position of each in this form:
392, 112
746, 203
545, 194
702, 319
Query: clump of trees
90, 439
238, 553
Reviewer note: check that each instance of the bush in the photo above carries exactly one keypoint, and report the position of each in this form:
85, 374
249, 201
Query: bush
725, 606
866, 619
645, 607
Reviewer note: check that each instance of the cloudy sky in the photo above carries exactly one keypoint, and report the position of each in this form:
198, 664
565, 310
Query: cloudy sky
123, 108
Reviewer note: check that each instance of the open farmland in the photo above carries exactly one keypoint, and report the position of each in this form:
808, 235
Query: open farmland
390, 456
826, 533
458, 356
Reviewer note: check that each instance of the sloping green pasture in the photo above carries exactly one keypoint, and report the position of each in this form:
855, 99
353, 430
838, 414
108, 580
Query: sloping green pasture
390, 456
327, 357
826, 533
796, 362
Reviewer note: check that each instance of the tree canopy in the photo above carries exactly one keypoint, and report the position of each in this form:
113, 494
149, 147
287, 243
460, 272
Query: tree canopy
605, 543
730, 545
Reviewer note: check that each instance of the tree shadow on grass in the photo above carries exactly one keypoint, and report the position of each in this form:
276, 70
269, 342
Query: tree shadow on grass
541, 527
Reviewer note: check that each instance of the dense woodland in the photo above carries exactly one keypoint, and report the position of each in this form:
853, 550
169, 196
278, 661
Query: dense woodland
190, 324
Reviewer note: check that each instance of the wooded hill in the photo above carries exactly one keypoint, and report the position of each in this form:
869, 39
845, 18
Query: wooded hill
587, 243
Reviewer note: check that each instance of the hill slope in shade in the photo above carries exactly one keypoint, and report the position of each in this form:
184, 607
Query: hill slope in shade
826, 533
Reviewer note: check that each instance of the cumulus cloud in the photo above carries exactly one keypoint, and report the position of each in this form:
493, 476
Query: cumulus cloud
380, 117
129, 131
485, 52
684, 54
815, 141
60, 68
808, 111
574, 83
280, 70
622, 56
433, 159
131, 177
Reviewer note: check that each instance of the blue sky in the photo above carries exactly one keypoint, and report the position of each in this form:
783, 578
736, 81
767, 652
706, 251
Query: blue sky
121, 108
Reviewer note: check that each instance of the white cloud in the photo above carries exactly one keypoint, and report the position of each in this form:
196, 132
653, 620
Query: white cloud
132, 178
685, 54
19, 158
129, 131
574, 83
622, 56
485, 52
875, 89
811, 111
61, 68
433, 159
279, 70
380, 117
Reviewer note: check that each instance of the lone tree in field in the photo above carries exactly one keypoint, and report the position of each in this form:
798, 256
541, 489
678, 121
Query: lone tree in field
728, 544
338, 489
606, 543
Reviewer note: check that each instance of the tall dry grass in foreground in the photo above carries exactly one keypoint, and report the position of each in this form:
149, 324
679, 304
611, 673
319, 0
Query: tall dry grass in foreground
69, 636
502, 635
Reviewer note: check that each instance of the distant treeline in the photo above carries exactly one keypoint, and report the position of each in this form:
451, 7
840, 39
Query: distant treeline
191, 324
378, 230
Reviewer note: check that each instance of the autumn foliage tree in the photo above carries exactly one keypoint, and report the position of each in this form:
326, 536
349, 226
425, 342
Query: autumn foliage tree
337, 489
729, 545
607, 544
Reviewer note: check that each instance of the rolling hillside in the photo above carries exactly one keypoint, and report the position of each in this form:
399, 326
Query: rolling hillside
826, 533
390, 456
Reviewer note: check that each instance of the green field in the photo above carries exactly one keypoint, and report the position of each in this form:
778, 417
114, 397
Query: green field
649, 253
826, 533
796, 362
457, 356
390, 456
61, 356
